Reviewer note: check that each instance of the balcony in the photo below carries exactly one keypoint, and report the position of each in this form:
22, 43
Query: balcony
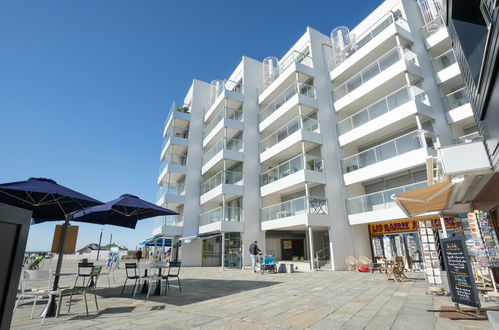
436, 36
384, 117
230, 90
404, 152
284, 74
171, 194
170, 225
225, 148
174, 165
458, 106
279, 109
228, 183
448, 74
182, 113
286, 141
378, 206
372, 43
178, 136
226, 117
221, 219
384, 75
291, 174
296, 213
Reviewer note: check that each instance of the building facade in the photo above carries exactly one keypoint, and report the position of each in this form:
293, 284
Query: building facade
303, 153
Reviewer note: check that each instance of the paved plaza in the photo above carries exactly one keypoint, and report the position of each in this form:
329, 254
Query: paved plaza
236, 299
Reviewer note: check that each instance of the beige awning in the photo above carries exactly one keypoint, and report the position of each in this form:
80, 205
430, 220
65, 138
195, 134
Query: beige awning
432, 198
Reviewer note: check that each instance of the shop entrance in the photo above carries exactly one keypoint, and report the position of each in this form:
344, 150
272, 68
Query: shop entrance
405, 245
233, 250
212, 252
293, 248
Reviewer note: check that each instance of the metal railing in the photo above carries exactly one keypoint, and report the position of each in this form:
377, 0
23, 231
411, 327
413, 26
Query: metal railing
398, 146
230, 85
294, 125
325, 252
175, 132
223, 143
444, 61
372, 70
456, 99
292, 90
224, 112
172, 220
221, 213
295, 164
386, 104
468, 138
170, 188
379, 26
173, 159
301, 205
293, 57
379, 200
433, 27
222, 177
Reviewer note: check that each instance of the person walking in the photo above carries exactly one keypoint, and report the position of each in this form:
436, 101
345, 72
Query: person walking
138, 255
254, 251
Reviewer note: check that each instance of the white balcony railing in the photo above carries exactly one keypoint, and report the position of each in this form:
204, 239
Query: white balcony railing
396, 147
379, 200
186, 108
221, 213
175, 132
434, 26
372, 70
384, 22
295, 164
222, 177
386, 104
468, 138
171, 220
293, 57
225, 112
301, 205
171, 188
235, 86
292, 90
294, 125
173, 159
444, 61
456, 99
223, 143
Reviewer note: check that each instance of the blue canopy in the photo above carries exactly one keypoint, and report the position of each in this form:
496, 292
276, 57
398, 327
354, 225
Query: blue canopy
45, 198
157, 240
124, 211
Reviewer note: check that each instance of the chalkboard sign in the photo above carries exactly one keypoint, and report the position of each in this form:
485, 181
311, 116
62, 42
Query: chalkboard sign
461, 280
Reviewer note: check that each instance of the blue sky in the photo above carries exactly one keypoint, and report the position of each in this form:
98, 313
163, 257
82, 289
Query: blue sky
85, 86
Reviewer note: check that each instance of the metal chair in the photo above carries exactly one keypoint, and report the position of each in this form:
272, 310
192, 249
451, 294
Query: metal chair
129, 266
28, 279
84, 269
173, 272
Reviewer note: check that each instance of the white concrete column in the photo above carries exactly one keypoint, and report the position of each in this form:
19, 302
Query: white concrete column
311, 247
223, 250
421, 133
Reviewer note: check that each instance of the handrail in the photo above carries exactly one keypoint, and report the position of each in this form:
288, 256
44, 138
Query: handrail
386, 104
386, 150
293, 165
292, 126
363, 39
305, 204
379, 199
373, 69
222, 177
294, 57
224, 112
221, 213
433, 26
224, 143
282, 98
317, 256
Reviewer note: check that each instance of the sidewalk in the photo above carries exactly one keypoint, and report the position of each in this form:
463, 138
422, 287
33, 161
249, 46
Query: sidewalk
238, 299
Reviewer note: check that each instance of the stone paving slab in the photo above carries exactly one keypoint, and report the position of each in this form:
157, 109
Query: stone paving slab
235, 299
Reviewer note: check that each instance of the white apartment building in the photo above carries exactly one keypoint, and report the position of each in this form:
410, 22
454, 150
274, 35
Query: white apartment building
303, 153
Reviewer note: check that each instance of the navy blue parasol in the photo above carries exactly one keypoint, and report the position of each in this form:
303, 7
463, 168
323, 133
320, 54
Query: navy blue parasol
124, 211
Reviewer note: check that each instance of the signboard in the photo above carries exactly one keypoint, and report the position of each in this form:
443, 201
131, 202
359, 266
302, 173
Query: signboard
461, 281
69, 244
408, 225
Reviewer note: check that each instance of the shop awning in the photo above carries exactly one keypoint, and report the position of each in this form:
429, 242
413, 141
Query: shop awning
188, 239
157, 240
432, 198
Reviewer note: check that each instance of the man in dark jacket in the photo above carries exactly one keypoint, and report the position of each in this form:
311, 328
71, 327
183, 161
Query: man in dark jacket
254, 251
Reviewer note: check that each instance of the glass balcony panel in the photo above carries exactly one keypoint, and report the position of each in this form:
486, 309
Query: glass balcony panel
388, 60
227, 177
227, 143
433, 27
294, 125
360, 118
367, 158
386, 151
370, 72
456, 99
306, 204
397, 99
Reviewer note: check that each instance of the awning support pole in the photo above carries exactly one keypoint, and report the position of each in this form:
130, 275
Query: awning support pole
444, 228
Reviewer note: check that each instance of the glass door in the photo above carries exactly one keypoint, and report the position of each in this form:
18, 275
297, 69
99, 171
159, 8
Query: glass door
233, 250
212, 252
